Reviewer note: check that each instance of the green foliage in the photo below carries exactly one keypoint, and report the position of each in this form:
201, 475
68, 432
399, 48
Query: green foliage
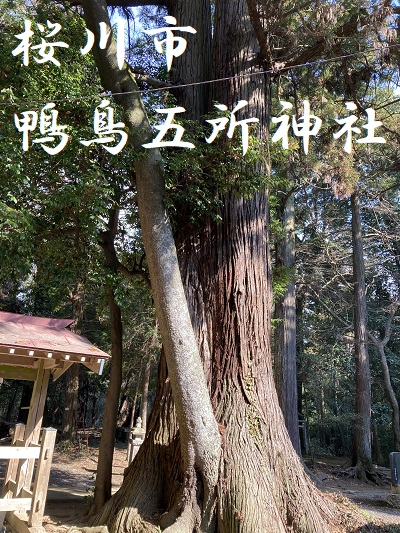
197, 180
281, 277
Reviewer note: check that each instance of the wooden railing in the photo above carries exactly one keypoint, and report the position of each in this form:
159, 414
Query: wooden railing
18, 493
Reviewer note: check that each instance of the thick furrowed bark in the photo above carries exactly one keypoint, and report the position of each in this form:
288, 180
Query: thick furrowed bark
262, 485
261, 490
155, 476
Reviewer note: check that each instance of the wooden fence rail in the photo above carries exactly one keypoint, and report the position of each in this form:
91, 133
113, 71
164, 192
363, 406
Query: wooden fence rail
18, 493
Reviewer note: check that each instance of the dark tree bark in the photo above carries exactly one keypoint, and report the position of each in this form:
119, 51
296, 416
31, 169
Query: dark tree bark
123, 411
195, 64
102, 491
69, 424
285, 351
376, 448
362, 453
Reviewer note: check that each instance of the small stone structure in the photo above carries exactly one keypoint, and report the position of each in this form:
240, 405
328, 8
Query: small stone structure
136, 437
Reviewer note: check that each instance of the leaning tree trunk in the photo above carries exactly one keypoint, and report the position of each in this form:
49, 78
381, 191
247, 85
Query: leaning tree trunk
391, 395
362, 452
200, 444
285, 349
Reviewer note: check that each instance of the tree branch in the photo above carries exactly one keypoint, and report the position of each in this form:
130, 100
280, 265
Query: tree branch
140, 75
329, 310
261, 34
134, 272
297, 9
388, 328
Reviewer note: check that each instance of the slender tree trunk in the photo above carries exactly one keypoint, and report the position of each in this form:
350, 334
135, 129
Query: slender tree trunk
302, 374
362, 455
285, 371
69, 424
123, 411
93, 411
391, 396
380, 345
376, 449
322, 428
145, 391
102, 491
136, 394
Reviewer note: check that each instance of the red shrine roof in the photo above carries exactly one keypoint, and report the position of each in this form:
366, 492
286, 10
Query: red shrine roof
24, 340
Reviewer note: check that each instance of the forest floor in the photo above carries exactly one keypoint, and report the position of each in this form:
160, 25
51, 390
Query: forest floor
73, 475
333, 477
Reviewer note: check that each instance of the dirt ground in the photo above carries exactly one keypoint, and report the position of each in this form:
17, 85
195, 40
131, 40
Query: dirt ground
71, 485
73, 475
371, 498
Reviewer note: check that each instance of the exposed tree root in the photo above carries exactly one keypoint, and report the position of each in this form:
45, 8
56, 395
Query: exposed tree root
376, 477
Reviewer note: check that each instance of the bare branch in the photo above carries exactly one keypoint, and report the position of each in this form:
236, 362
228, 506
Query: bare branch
329, 310
140, 75
381, 343
133, 273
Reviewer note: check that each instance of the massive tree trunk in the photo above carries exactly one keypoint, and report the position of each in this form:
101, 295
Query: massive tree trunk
260, 484
285, 351
362, 452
